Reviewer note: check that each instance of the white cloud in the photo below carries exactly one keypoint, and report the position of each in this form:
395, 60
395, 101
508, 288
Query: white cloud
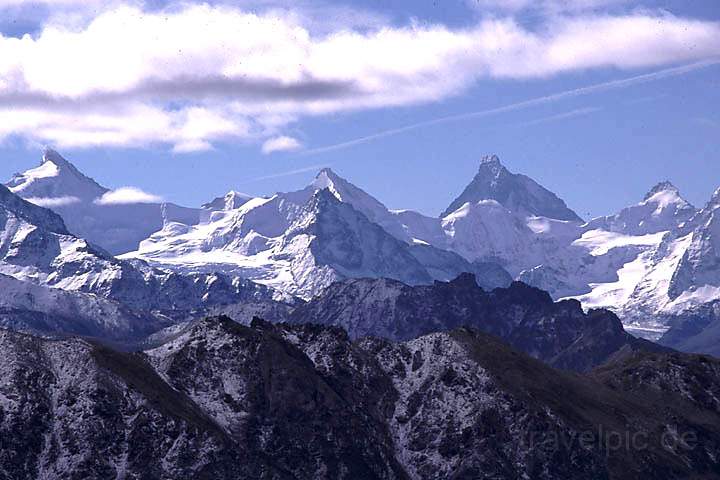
17, 3
192, 146
548, 6
194, 75
281, 144
51, 202
126, 195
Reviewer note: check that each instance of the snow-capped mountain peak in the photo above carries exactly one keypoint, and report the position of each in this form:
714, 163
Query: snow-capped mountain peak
665, 195
331, 239
116, 227
662, 209
53, 157
346, 192
230, 201
518, 193
360, 200
55, 181
661, 187
327, 179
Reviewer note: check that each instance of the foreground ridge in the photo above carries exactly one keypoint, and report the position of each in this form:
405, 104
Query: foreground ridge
221, 400
558, 333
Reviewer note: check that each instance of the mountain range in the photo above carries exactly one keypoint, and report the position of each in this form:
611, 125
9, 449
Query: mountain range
654, 264
319, 334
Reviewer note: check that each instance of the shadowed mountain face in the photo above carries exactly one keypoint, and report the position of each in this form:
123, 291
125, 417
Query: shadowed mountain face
516, 192
559, 333
224, 401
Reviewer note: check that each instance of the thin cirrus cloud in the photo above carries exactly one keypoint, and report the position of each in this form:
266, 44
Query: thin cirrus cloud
282, 143
127, 195
192, 76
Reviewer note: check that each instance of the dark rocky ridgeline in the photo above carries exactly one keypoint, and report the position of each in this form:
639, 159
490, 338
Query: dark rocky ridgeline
472, 407
559, 333
220, 401
690, 376
225, 401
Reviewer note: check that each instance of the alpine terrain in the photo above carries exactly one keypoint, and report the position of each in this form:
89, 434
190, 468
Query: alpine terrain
318, 334
226, 401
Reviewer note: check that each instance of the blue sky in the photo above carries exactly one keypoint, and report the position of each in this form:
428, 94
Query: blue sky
187, 100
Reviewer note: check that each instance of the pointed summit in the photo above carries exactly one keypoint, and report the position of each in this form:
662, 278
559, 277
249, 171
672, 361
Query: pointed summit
665, 196
518, 193
326, 178
328, 172
664, 186
52, 156
360, 200
491, 164
343, 243
662, 209
118, 228
55, 178
230, 201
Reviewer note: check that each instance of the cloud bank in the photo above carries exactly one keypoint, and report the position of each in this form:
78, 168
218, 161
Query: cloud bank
195, 75
127, 195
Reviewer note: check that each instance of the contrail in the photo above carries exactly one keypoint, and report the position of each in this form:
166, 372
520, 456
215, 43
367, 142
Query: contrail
310, 168
551, 118
577, 92
560, 116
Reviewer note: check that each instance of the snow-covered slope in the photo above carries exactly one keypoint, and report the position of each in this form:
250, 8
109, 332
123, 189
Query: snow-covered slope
26, 306
48, 262
651, 263
515, 192
509, 219
300, 242
487, 231
699, 266
692, 304
662, 209
116, 227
